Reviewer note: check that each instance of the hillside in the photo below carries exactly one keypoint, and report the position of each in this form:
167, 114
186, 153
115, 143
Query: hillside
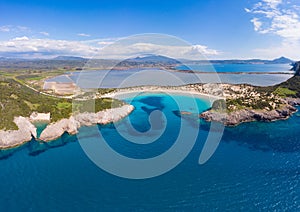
19, 100
296, 68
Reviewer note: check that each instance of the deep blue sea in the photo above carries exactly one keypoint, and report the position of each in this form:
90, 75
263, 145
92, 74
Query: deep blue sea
256, 167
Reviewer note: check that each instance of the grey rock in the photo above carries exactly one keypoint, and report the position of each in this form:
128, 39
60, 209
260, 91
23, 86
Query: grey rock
237, 117
11, 138
71, 125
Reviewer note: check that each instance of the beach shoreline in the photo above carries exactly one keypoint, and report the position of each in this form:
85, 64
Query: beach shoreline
128, 93
213, 92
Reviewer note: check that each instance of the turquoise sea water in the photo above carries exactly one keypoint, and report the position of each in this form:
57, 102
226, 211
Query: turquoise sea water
256, 167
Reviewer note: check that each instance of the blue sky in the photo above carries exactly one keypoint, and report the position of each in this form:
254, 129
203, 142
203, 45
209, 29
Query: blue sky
222, 28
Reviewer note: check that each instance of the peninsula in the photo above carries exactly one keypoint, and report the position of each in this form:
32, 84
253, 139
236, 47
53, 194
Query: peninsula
21, 107
235, 104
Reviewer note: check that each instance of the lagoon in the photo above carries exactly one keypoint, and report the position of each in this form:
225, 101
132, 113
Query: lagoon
254, 74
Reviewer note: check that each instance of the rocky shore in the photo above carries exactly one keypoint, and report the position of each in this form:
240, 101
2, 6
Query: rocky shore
11, 138
71, 125
246, 115
277, 108
26, 130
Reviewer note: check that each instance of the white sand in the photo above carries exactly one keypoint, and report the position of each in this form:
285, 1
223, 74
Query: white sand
132, 93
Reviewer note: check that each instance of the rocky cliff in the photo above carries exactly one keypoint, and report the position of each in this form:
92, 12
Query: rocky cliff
26, 130
245, 115
11, 138
71, 125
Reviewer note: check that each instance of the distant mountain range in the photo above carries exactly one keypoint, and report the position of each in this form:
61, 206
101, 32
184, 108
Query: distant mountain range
167, 60
280, 60
149, 60
69, 62
69, 58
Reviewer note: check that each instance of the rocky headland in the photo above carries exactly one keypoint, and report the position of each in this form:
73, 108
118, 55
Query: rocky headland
248, 115
235, 103
27, 131
71, 125
11, 138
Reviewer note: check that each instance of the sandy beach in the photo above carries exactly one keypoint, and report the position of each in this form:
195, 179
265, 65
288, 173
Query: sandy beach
127, 93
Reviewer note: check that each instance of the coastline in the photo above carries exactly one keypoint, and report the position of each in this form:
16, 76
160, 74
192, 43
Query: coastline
131, 92
227, 118
27, 130
211, 92
242, 116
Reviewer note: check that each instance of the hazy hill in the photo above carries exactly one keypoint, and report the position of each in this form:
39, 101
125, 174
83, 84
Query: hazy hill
69, 58
281, 60
69, 62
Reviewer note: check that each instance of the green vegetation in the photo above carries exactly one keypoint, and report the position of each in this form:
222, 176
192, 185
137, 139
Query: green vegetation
261, 104
103, 91
64, 105
289, 88
30, 77
219, 105
293, 84
92, 93
284, 92
95, 105
19, 100
239, 103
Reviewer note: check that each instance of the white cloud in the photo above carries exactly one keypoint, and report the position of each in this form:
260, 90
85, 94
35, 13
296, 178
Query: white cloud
102, 48
21, 38
4, 29
257, 24
15, 29
23, 28
282, 49
280, 18
247, 10
83, 35
205, 50
276, 17
45, 33
104, 43
123, 50
26, 46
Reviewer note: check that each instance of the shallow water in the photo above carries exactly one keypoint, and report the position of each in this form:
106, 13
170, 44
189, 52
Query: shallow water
138, 77
256, 167
247, 68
